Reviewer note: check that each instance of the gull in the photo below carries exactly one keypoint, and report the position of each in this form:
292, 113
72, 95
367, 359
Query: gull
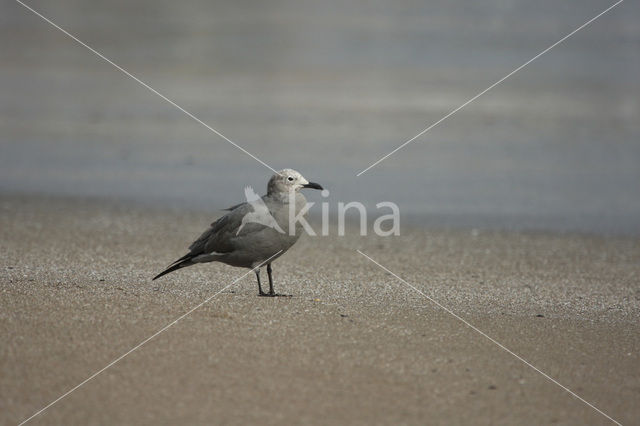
255, 232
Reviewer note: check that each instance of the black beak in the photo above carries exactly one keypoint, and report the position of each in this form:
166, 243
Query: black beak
313, 185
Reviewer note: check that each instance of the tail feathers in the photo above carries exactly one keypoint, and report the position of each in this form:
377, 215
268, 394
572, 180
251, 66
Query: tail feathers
180, 263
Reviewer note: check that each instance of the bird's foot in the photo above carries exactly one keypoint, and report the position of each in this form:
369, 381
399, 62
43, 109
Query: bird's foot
263, 294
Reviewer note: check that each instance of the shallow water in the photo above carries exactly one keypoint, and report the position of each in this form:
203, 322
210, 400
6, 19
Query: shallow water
328, 88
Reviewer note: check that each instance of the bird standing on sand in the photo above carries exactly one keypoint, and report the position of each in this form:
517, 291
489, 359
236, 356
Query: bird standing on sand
251, 234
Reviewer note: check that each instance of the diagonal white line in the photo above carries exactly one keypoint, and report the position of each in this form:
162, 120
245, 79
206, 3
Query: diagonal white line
491, 87
127, 73
166, 327
500, 345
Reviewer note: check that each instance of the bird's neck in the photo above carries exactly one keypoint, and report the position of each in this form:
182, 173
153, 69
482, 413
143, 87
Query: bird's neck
286, 197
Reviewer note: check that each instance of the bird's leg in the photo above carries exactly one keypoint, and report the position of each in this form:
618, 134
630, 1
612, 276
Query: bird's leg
271, 292
260, 292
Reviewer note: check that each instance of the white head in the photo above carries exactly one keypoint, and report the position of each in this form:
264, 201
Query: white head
288, 180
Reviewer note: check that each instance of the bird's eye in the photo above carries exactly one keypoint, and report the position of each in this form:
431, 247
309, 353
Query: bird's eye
290, 178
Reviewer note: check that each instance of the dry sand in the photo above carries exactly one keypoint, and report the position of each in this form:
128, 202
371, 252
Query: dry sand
353, 344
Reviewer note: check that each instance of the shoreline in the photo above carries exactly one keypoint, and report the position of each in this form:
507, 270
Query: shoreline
436, 221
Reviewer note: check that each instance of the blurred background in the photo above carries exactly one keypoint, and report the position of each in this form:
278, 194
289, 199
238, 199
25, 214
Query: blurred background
327, 88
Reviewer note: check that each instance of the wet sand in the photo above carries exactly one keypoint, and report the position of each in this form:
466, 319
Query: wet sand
352, 344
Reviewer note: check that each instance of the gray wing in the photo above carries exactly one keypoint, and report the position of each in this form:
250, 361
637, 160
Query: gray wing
235, 206
221, 236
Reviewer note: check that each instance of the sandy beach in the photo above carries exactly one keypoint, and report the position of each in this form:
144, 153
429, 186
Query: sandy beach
352, 345
519, 199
